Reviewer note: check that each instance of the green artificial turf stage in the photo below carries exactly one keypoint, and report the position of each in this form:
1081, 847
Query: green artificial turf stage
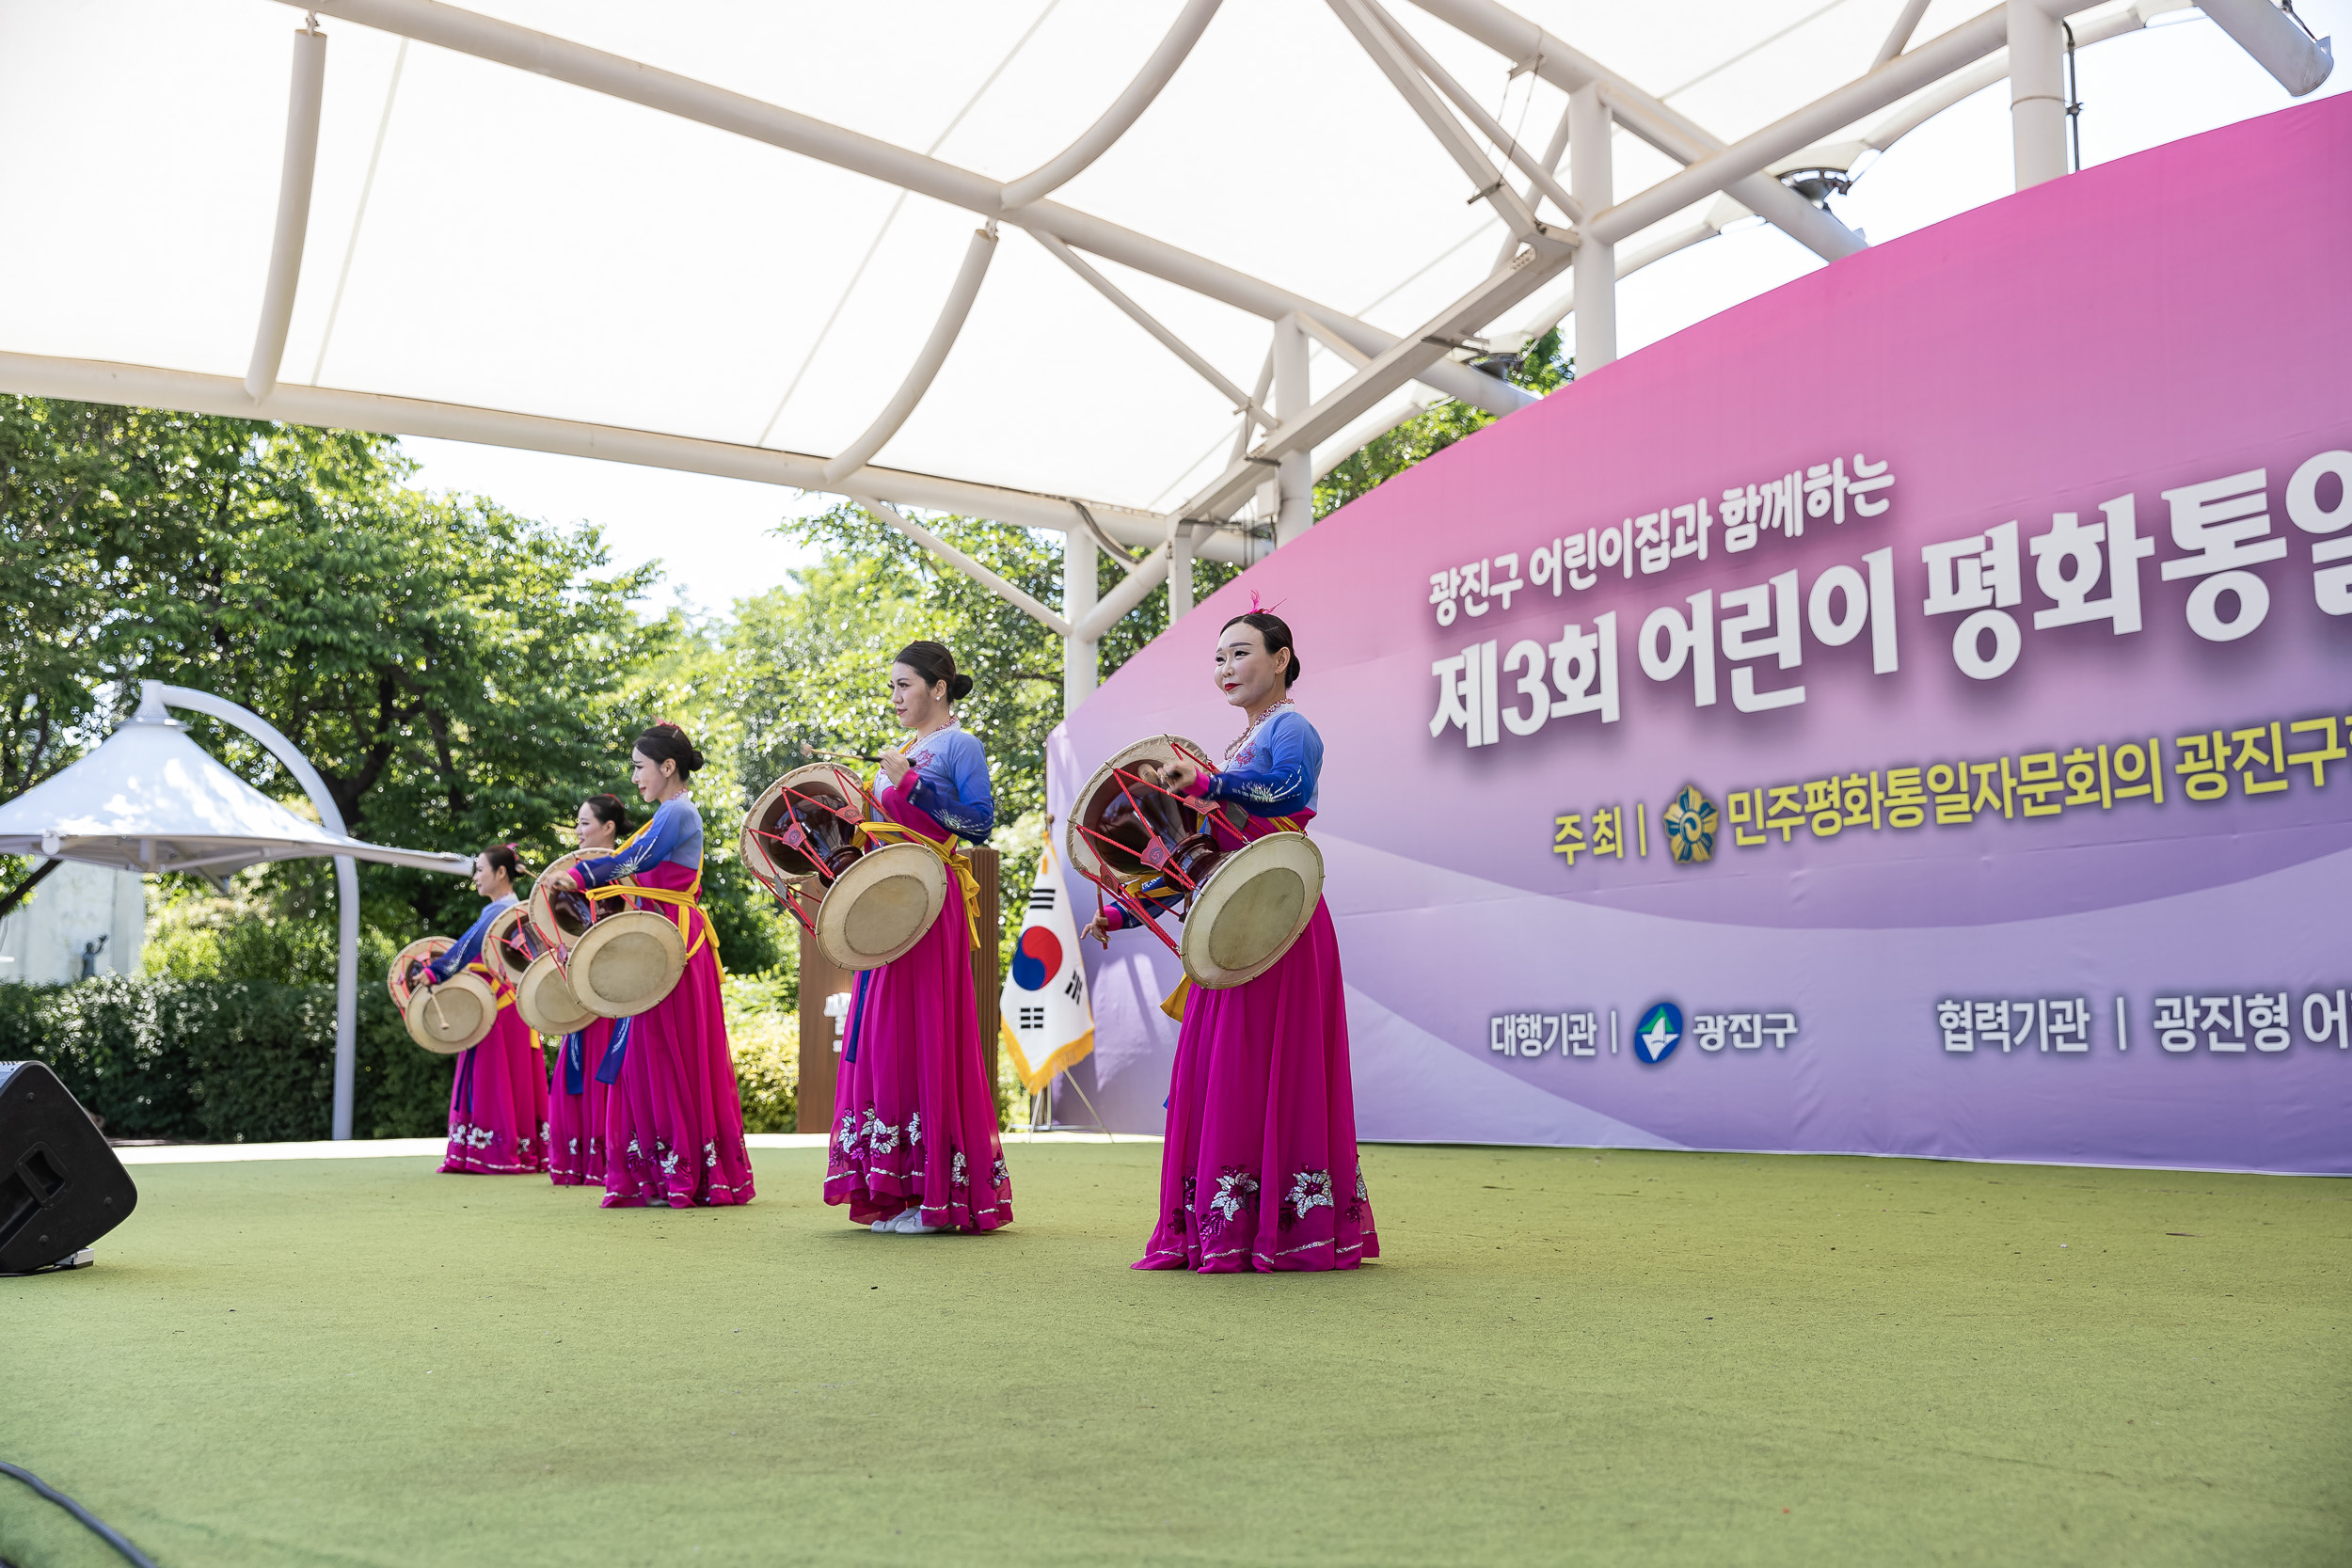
1564, 1357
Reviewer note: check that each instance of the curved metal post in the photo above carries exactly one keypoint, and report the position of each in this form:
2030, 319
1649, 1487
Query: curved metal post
1124, 111
918, 381
2300, 62
156, 695
294, 211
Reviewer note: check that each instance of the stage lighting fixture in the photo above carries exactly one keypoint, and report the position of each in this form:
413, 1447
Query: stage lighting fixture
61, 1187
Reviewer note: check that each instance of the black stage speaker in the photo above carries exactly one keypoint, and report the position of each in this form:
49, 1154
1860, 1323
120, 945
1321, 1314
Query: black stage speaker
61, 1187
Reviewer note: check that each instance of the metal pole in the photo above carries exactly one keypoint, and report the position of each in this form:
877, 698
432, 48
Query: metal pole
2037, 98
1294, 482
1078, 670
1178, 572
346, 993
1591, 174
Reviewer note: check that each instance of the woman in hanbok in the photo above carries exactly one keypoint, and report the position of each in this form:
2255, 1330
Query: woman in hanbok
914, 1142
576, 1093
1258, 1172
674, 1121
497, 1106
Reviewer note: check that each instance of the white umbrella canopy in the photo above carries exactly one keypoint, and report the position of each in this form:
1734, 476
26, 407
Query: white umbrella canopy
152, 800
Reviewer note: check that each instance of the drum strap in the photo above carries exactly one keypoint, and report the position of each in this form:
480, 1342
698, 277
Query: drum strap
959, 865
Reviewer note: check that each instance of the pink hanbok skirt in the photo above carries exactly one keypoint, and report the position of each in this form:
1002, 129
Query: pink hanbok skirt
915, 1119
497, 1106
1258, 1172
674, 1120
576, 1121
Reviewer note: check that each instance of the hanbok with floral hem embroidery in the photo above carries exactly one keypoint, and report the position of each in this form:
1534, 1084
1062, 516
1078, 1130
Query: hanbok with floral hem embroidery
915, 1117
1259, 1171
498, 1103
674, 1119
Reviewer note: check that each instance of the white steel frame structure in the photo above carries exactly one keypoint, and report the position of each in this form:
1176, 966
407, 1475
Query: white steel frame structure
1569, 225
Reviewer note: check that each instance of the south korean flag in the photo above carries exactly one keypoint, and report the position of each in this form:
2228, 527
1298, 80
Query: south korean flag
1045, 1014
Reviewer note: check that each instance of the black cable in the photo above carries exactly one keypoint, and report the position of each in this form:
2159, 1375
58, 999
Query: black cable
97, 1526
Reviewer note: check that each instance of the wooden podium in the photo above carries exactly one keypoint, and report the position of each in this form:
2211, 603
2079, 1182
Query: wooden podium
821, 1031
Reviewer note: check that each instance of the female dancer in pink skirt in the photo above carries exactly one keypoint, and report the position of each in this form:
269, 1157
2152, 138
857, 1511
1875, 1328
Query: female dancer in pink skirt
673, 1122
498, 1107
1259, 1171
916, 1148
575, 1095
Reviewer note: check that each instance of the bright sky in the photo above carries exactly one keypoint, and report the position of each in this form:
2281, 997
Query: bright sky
2175, 79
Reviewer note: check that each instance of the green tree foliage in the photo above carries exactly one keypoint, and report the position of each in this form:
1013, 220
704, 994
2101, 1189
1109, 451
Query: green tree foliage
1539, 369
457, 674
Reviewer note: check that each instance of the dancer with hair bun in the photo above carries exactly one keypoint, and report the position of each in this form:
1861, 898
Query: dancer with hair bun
914, 1144
674, 1121
1258, 1172
575, 1092
498, 1104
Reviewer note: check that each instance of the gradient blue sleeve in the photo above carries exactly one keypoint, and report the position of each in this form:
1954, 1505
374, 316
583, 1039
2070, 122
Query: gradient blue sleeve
966, 804
652, 847
1283, 778
469, 946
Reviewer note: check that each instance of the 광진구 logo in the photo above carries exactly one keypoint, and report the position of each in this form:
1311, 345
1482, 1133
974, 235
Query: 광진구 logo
1658, 1034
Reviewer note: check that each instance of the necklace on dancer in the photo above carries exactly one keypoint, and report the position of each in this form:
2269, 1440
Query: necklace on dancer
1243, 739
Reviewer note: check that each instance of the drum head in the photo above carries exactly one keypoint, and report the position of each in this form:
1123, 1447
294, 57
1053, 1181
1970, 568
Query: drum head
1251, 909
1083, 835
509, 945
560, 913
402, 978
544, 997
452, 1016
833, 788
882, 906
626, 963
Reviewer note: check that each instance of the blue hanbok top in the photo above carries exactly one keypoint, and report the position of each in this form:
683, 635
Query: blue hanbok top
951, 784
1277, 771
674, 835
469, 946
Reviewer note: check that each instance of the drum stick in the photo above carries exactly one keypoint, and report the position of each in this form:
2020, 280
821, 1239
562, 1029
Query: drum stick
808, 750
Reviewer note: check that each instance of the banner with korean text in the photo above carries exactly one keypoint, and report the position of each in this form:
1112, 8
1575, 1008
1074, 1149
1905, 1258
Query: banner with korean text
1909, 713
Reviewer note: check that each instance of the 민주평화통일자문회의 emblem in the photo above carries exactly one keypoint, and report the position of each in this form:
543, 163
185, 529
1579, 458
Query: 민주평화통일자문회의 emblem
1691, 827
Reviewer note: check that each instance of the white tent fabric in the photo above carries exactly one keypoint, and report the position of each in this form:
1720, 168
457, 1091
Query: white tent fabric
152, 800
488, 238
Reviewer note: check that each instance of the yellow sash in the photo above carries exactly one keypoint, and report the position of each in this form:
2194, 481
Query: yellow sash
957, 862
687, 898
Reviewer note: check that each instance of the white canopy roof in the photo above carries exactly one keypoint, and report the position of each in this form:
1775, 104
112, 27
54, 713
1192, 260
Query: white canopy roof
601, 227
152, 800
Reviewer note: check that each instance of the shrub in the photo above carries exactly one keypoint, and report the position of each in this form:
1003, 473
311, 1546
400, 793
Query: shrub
247, 1061
765, 1033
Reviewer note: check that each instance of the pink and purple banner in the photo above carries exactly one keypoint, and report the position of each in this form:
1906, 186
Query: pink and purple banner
1909, 713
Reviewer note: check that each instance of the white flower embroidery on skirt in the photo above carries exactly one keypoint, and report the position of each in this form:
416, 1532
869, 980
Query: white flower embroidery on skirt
881, 1136
997, 1175
914, 1127
1236, 1190
956, 1171
1310, 1189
